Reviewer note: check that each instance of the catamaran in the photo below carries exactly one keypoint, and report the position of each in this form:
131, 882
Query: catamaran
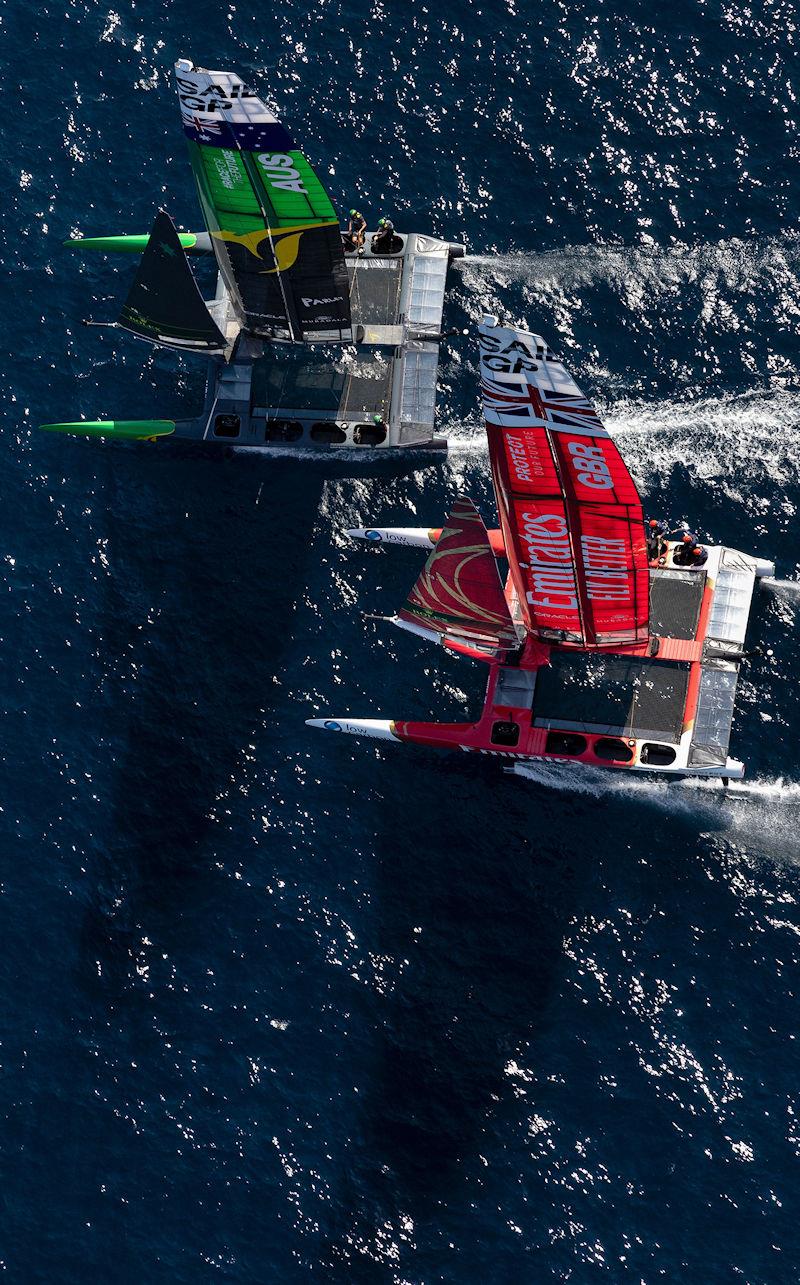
308, 344
596, 654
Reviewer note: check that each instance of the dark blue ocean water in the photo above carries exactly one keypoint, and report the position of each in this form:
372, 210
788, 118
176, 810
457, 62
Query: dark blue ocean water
278, 1006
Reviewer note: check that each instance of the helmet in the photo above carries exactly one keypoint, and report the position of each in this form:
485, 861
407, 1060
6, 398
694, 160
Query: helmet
697, 548
687, 539
354, 214
381, 222
652, 522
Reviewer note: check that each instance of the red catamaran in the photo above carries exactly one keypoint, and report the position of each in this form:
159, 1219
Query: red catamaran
596, 655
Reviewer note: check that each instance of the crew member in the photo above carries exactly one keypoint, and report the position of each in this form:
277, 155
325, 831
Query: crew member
682, 553
655, 533
357, 229
699, 556
384, 237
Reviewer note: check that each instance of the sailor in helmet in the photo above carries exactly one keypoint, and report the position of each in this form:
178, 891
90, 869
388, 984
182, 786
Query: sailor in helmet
699, 556
682, 554
656, 538
383, 240
356, 231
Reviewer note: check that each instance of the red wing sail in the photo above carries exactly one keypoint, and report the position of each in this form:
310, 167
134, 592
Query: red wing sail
459, 593
570, 513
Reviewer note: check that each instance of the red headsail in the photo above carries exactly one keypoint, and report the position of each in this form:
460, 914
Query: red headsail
570, 513
459, 593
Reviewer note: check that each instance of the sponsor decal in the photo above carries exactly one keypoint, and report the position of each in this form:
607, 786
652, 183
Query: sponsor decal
316, 303
523, 457
280, 172
550, 572
512, 355
331, 725
227, 169
605, 564
373, 535
210, 97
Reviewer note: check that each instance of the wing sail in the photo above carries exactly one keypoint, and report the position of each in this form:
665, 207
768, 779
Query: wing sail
570, 513
459, 594
164, 303
274, 229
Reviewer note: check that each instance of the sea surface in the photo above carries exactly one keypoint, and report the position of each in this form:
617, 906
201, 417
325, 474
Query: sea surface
279, 1006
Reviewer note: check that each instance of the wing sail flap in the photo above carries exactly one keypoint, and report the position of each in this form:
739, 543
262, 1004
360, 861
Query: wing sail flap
273, 226
569, 509
164, 304
459, 594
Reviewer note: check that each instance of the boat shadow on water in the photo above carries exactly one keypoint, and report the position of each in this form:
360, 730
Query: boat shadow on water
204, 559
479, 907
207, 560
486, 896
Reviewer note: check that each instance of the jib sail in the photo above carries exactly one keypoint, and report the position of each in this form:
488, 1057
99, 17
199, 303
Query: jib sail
459, 593
570, 512
273, 226
164, 303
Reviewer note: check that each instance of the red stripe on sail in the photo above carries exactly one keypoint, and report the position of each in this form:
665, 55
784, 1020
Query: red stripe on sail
607, 533
533, 519
569, 510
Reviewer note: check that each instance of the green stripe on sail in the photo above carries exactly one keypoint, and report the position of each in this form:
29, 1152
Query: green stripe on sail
294, 194
276, 237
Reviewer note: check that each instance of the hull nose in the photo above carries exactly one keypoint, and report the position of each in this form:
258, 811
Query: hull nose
381, 729
414, 537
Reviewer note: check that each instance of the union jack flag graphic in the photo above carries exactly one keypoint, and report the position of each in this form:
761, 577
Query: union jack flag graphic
205, 128
515, 400
573, 412
520, 402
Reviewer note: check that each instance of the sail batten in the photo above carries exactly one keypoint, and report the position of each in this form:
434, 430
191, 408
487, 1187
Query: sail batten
459, 594
273, 226
164, 304
570, 512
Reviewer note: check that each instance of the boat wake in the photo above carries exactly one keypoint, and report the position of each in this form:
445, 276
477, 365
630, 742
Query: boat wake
783, 588
646, 272
741, 805
746, 438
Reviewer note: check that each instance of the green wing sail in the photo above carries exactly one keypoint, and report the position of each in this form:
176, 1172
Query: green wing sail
274, 229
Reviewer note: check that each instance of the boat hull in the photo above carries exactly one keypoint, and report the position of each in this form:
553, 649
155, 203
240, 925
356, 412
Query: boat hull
667, 706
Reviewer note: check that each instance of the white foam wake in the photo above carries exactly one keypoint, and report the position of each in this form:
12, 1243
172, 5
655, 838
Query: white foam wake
783, 588
762, 810
644, 270
733, 440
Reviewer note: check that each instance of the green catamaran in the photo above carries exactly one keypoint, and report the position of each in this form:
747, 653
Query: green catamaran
309, 344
